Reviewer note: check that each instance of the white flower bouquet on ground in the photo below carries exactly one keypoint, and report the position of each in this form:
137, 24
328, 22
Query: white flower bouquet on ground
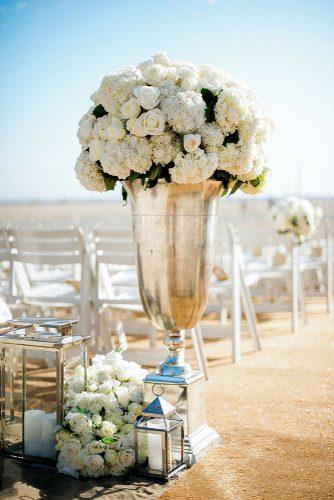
296, 216
97, 436
172, 121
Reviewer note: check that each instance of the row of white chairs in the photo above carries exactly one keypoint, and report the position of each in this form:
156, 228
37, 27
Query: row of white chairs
95, 275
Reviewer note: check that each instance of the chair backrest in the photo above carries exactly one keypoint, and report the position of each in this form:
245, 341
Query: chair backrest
47, 247
4, 248
114, 253
114, 247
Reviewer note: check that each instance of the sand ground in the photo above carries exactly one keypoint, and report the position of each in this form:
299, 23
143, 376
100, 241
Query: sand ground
274, 411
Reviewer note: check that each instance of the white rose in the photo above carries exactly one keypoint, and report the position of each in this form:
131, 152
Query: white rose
110, 457
116, 470
106, 387
162, 58
123, 396
95, 447
153, 121
109, 127
135, 408
115, 419
131, 108
102, 373
70, 449
108, 429
131, 417
94, 465
126, 458
190, 82
148, 97
191, 142
79, 422
96, 148
96, 419
154, 74
127, 428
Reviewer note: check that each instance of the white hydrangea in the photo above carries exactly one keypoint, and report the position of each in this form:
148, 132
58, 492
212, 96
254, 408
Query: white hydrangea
120, 157
192, 168
117, 88
230, 109
165, 147
89, 174
257, 185
155, 112
211, 134
236, 160
184, 111
96, 148
85, 130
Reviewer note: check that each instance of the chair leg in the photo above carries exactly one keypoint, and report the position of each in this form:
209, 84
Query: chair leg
302, 304
121, 336
250, 315
202, 361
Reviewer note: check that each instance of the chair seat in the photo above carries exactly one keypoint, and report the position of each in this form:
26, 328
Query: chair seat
57, 292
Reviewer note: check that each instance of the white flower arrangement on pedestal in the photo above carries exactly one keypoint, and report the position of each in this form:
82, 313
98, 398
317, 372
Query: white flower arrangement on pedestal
173, 121
97, 436
296, 216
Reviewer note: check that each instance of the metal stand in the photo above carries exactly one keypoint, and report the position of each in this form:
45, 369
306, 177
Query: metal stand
187, 395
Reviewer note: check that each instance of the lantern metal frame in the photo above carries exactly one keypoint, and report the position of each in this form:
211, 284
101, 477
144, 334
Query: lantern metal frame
159, 408
33, 341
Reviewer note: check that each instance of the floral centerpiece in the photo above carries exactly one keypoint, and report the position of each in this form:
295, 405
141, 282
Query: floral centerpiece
296, 216
175, 122
97, 436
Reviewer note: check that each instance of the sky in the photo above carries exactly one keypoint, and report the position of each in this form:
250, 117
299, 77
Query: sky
53, 55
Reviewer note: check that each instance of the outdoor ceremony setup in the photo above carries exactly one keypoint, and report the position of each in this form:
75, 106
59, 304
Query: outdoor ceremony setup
131, 337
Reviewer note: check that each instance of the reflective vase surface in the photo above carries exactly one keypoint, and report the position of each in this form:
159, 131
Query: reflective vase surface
174, 230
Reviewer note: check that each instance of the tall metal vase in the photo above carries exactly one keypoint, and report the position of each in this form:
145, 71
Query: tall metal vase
174, 230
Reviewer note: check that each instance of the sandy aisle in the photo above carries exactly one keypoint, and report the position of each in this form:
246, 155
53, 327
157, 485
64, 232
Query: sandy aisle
275, 412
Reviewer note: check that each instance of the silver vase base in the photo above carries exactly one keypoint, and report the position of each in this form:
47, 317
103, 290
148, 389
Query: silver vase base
197, 444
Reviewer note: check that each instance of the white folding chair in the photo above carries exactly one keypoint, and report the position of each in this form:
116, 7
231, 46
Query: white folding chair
235, 289
51, 252
5, 266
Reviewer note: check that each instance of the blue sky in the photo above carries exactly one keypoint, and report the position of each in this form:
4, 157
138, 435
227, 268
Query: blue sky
53, 55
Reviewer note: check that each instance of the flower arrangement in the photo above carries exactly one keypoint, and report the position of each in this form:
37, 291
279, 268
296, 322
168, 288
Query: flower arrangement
97, 435
296, 216
172, 121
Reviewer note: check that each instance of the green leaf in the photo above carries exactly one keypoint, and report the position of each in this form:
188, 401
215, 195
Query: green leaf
235, 188
109, 181
124, 195
255, 182
155, 172
133, 176
119, 348
294, 221
232, 138
108, 440
99, 111
82, 410
210, 100
224, 193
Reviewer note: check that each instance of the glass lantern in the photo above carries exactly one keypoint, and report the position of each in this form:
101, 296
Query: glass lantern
35, 356
159, 440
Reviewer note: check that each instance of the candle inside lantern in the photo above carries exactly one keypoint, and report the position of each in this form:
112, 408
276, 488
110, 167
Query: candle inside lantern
39, 438
48, 439
154, 446
32, 431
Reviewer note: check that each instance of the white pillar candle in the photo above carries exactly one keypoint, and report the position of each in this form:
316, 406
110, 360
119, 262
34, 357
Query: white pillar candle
154, 447
32, 430
48, 439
